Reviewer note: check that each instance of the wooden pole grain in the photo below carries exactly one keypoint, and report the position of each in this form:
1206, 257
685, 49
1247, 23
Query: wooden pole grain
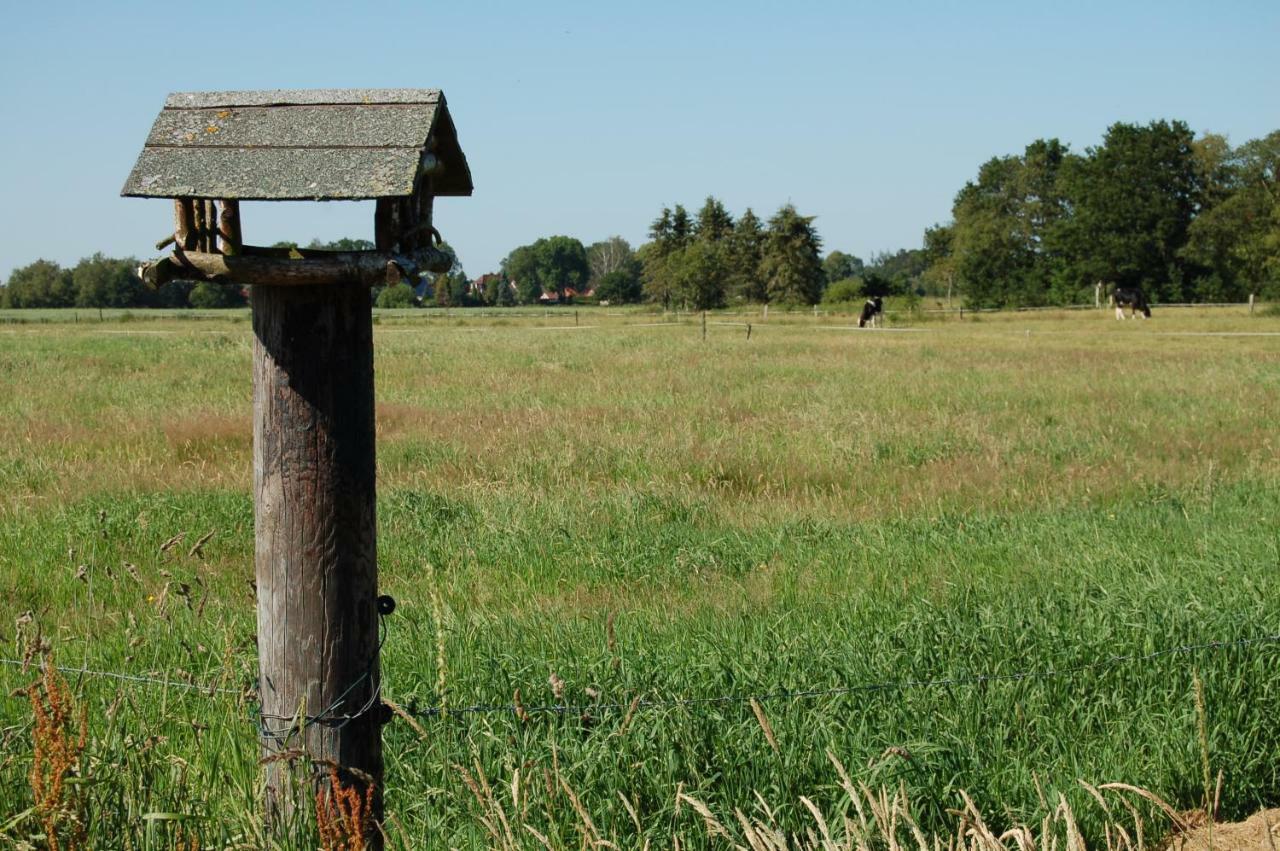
315, 543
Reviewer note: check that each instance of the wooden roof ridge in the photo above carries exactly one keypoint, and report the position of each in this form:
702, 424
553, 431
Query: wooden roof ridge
289, 144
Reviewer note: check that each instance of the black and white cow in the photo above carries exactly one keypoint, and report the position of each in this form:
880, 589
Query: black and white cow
871, 312
1132, 298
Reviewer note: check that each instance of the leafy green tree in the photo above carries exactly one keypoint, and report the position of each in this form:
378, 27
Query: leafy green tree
1007, 235
843, 292
746, 247
397, 295
207, 296
619, 287
550, 265
611, 255
838, 266
1237, 239
656, 283
901, 269
40, 284
714, 224
102, 281
791, 263
940, 260
699, 273
1133, 200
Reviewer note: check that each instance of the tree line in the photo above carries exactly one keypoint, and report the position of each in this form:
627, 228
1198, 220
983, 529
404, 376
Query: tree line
1152, 206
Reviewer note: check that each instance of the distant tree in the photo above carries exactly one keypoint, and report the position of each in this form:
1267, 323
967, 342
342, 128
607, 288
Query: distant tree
746, 247
344, 244
901, 269
207, 296
398, 295
174, 294
1133, 200
430, 284
655, 279
681, 227
615, 270
699, 273
1236, 240
551, 265
611, 255
102, 281
619, 287
497, 290
40, 284
1008, 235
843, 292
838, 266
791, 264
714, 224
940, 259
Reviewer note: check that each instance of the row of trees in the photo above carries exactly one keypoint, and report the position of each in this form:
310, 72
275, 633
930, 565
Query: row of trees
1185, 218
711, 260
100, 281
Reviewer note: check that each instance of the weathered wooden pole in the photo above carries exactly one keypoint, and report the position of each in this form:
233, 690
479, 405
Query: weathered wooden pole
315, 539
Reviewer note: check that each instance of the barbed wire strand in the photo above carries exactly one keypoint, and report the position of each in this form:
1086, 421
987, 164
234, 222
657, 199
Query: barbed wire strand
132, 678
331, 717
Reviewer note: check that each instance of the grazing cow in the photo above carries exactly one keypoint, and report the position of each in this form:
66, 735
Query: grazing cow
871, 312
1132, 298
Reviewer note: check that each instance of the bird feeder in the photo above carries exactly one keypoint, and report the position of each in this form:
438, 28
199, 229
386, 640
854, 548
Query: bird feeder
313, 395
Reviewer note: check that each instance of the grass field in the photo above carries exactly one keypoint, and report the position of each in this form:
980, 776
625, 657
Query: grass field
638, 512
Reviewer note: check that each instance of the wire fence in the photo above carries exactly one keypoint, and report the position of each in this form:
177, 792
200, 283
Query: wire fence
333, 716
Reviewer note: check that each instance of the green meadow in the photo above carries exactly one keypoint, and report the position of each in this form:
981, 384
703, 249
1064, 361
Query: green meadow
608, 511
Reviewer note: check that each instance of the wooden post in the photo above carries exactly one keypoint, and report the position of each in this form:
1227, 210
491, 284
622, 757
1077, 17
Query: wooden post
1097, 295
315, 541
575, 318
210, 237
766, 313
1250, 304
704, 325
229, 228
184, 229
748, 330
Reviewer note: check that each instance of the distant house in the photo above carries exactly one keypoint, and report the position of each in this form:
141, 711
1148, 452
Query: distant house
568, 295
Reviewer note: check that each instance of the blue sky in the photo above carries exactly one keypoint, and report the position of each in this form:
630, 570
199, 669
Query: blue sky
585, 119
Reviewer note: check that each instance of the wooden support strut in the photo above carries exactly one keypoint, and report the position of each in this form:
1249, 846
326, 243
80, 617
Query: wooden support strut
229, 239
184, 225
255, 266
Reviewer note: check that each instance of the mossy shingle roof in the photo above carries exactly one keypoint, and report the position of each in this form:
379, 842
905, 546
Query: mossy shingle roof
321, 144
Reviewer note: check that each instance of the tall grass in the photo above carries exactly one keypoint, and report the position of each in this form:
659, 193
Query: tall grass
627, 512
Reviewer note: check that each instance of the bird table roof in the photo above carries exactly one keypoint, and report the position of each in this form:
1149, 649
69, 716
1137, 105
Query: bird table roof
320, 144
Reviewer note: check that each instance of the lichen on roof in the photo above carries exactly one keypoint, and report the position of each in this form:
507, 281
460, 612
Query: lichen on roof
322, 144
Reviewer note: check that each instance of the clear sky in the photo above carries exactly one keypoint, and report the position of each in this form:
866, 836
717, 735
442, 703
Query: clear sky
585, 118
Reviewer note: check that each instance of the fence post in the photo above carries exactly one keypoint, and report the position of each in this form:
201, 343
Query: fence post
704, 325
1250, 304
766, 313
748, 330
315, 529
575, 317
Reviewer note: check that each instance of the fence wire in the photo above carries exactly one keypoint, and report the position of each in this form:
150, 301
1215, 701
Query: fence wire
332, 716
